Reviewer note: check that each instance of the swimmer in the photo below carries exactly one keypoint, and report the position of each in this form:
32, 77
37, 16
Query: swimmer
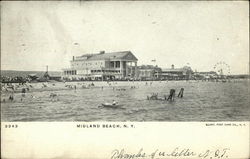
53, 95
114, 102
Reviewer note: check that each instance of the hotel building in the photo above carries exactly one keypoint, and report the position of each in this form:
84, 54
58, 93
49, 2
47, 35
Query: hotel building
102, 66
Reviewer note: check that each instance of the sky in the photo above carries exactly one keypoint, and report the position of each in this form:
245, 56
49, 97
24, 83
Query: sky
197, 34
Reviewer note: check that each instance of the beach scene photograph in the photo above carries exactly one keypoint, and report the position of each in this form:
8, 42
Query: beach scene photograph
137, 61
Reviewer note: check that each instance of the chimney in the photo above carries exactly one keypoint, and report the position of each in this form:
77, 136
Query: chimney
172, 66
73, 58
102, 52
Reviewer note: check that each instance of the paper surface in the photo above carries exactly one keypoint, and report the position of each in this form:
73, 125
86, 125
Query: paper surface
75, 140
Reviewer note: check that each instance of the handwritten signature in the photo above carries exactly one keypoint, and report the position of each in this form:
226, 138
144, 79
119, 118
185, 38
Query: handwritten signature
175, 153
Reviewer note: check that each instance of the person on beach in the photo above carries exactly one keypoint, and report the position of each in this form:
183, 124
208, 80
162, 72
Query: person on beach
23, 92
165, 97
12, 88
11, 97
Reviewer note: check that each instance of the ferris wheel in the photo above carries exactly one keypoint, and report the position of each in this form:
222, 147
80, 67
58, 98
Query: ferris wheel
222, 69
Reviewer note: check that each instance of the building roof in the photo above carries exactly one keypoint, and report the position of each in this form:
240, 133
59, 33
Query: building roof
210, 72
173, 70
183, 69
55, 74
126, 55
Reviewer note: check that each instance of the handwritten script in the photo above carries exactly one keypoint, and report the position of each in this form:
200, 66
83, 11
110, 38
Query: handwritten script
183, 153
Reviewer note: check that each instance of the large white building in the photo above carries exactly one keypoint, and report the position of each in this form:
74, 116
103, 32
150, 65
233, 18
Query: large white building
118, 65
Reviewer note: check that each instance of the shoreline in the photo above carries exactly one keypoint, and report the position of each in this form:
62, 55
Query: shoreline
9, 88
187, 80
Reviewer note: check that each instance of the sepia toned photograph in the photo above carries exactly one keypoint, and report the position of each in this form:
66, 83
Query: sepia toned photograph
138, 61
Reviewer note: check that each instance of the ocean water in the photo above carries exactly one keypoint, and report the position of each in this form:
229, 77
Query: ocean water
202, 101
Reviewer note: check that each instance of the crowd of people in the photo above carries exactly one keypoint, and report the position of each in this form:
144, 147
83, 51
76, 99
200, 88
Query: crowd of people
24, 87
15, 79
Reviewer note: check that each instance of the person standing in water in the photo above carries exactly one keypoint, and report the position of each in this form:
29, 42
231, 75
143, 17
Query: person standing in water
171, 95
180, 95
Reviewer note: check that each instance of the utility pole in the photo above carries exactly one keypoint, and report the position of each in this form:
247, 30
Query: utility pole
46, 74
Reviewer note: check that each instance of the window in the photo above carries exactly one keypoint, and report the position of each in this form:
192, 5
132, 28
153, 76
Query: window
117, 64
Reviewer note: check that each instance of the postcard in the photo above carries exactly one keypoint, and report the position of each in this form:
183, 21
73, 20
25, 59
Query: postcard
125, 79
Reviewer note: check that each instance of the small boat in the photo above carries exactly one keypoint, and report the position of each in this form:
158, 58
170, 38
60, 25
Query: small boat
110, 105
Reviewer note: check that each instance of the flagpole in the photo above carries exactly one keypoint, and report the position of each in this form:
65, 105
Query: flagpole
154, 61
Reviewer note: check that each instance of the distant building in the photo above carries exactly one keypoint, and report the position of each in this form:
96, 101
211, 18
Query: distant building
102, 66
148, 72
176, 73
206, 75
